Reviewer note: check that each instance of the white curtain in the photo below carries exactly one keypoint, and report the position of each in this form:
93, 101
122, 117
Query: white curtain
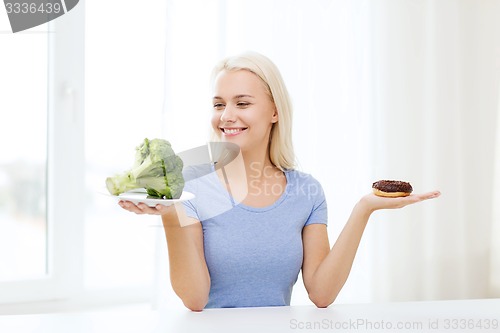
400, 89
436, 91
495, 243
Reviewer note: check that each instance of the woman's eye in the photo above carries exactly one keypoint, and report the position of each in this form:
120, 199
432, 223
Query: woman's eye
242, 104
219, 106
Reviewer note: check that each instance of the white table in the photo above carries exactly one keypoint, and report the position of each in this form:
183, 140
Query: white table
438, 316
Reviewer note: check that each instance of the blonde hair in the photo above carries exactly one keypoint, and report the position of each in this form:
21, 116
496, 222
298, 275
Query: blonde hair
281, 150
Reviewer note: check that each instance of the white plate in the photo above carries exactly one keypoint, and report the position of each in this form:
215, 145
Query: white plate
137, 196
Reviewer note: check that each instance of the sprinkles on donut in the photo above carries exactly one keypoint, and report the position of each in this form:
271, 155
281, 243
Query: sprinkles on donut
392, 188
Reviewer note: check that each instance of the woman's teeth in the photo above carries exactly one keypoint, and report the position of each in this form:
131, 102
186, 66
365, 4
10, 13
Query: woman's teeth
232, 130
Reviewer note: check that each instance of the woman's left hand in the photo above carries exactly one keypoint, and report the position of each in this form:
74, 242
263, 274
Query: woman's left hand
373, 202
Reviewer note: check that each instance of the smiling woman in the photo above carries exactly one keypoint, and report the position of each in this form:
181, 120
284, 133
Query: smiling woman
361, 74
381, 90
251, 253
243, 112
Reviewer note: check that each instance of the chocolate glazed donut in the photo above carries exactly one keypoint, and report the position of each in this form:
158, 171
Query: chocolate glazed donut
392, 188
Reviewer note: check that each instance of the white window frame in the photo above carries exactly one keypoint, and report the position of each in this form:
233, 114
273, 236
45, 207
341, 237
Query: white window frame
65, 167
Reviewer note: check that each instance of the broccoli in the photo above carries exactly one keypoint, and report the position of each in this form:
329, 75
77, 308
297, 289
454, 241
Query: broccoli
156, 168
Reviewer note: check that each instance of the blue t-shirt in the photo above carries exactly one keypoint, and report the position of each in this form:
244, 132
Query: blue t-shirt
254, 255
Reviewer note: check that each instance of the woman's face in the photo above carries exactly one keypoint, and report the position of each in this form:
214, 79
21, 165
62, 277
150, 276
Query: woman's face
243, 111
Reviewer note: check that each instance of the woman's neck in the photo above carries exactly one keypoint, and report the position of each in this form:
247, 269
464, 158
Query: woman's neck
258, 165
251, 176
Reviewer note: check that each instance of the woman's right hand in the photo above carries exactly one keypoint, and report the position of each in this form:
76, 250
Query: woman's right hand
169, 214
142, 208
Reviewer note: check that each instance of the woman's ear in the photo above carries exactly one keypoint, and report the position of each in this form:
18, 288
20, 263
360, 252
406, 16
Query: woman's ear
274, 119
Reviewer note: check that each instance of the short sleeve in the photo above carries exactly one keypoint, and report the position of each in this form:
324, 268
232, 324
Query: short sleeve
190, 210
190, 175
319, 213
210, 199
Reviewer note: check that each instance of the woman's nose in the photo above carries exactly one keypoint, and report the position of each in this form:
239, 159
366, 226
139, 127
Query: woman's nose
228, 115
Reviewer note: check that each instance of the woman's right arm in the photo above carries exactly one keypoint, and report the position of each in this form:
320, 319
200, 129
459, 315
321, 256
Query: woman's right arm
188, 269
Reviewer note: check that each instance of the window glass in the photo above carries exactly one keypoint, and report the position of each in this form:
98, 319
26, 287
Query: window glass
23, 154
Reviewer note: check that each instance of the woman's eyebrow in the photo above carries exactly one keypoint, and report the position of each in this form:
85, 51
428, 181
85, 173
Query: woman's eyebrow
242, 96
234, 97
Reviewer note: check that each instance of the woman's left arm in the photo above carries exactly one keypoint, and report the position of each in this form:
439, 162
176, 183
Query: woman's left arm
325, 271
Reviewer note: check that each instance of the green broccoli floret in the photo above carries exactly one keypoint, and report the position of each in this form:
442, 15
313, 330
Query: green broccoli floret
156, 168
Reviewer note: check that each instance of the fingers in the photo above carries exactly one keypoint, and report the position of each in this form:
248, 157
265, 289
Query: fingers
428, 195
142, 208
415, 198
434, 194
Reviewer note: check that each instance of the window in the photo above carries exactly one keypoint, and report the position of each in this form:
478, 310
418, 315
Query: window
23, 161
42, 85
83, 249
